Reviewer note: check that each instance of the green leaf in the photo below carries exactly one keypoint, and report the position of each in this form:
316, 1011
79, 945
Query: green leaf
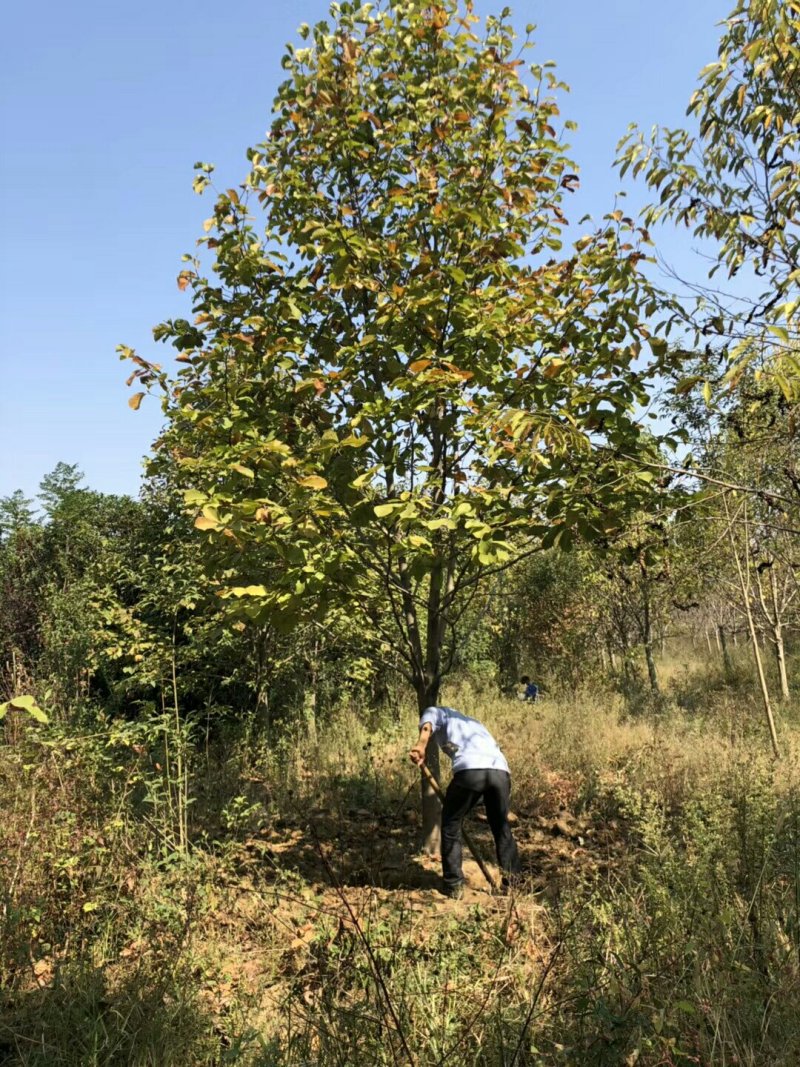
364, 479
780, 332
278, 447
24, 703
208, 520
382, 511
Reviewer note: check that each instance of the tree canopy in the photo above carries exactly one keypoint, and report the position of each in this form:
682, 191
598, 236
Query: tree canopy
397, 379
733, 179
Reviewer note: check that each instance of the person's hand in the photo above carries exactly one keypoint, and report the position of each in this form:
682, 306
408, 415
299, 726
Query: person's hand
417, 755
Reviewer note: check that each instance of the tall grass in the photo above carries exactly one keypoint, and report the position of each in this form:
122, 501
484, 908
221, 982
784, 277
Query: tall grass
668, 932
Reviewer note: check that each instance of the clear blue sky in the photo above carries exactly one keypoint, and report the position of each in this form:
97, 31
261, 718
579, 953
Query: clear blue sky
105, 107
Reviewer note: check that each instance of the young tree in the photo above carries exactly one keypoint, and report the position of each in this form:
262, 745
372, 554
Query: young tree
746, 517
16, 513
397, 385
59, 486
759, 448
20, 591
544, 619
638, 573
736, 183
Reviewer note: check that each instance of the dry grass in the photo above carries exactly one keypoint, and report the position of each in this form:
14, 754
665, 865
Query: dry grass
662, 926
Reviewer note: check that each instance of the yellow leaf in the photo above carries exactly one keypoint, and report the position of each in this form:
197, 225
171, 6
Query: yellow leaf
439, 18
313, 481
553, 368
202, 523
135, 401
419, 364
465, 374
208, 224
276, 446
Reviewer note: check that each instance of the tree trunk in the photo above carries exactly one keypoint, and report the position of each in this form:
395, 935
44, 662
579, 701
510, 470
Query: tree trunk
744, 585
310, 694
780, 658
426, 678
262, 680
777, 635
723, 647
652, 674
439, 588
773, 735
612, 660
427, 695
647, 634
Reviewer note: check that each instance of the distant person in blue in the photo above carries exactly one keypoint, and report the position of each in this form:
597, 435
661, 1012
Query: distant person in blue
480, 772
531, 690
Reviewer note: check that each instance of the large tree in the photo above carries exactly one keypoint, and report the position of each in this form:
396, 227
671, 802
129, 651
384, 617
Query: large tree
396, 381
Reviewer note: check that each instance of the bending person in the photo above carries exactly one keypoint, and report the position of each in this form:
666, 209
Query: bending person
480, 772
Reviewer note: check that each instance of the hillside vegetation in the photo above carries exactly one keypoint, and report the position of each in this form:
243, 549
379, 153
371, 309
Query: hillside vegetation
658, 922
424, 436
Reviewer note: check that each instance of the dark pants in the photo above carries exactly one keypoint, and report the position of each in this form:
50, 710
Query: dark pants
466, 790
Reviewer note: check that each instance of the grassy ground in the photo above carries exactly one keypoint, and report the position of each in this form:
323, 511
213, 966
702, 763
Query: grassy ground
659, 922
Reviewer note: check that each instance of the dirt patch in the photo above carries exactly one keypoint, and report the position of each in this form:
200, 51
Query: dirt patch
358, 850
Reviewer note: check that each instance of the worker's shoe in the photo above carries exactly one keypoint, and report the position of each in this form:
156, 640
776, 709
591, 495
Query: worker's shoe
455, 892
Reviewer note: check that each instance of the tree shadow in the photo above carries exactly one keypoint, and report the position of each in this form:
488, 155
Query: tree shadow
349, 847
354, 845
359, 831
